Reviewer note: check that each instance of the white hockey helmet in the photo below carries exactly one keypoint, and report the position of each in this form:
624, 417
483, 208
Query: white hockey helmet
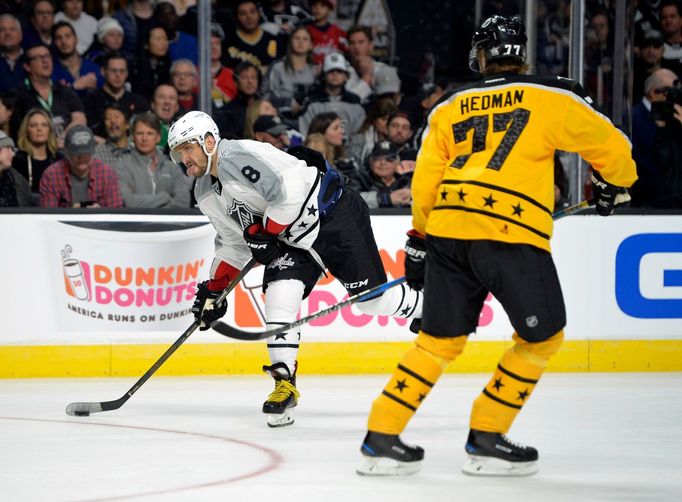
192, 127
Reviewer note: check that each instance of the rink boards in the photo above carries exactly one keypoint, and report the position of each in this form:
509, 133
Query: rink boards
98, 295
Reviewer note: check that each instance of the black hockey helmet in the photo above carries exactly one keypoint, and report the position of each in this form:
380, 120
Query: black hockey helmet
501, 38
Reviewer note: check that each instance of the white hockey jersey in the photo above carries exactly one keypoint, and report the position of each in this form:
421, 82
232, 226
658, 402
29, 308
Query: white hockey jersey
257, 182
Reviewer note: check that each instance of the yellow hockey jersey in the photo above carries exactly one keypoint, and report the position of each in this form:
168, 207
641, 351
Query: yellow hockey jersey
485, 169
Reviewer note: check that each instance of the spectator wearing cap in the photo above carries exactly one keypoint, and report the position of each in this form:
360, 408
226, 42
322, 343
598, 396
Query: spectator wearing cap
70, 68
369, 77
147, 177
249, 42
380, 184
289, 79
14, 188
647, 60
332, 96
327, 38
269, 129
12, 71
109, 39
79, 180
670, 16
224, 88
40, 21
181, 45
115, 73
38, 91
83, 23
116, 125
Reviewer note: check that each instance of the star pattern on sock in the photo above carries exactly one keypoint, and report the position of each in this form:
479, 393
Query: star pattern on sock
498, 384
405, 311
523, 395
401, 385
281, 336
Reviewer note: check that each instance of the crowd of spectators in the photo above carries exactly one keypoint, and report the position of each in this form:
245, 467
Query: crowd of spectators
87, 94
283, 73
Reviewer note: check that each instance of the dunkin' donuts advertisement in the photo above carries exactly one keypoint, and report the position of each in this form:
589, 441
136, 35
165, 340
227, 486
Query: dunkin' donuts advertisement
118, 277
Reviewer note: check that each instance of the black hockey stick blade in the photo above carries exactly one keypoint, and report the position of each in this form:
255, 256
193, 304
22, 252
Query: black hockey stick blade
238, 334
85, 409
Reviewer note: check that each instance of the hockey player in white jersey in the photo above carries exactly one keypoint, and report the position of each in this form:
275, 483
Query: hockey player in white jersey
294, 215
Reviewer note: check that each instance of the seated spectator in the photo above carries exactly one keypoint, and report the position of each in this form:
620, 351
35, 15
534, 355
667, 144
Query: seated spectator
40, 21
249, 42
147, 177
647, 60
289, 79
12, 72
14, 191
38, 147
70, 68
83, 23
649, 189
136, 20
153, 64
327, 37
231, 119
281, 17
368, 76
109, 40
332, 96
181, 45
317, 142
38, 91
224, 88
331, 126
166, 107
115, 73
116, 125
185, 78
8, 102
373, 130
380, 185
269, 129
399, 132
670, 15
79, 180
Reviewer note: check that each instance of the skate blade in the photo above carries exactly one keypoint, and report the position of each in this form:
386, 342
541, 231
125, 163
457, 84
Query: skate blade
384, 466
491, 466
280, 420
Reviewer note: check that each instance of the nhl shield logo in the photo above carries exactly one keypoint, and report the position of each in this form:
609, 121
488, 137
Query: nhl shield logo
242, 214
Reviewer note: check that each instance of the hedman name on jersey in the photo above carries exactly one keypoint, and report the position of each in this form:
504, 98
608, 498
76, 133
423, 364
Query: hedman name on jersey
497, 100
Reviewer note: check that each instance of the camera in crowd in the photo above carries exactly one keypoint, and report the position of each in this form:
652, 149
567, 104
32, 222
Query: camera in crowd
665, 110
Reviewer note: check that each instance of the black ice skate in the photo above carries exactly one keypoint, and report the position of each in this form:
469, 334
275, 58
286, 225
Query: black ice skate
493, 454
387, 455
280, 403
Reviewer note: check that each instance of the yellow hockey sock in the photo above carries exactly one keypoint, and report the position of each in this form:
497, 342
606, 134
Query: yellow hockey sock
512, 383
416, 374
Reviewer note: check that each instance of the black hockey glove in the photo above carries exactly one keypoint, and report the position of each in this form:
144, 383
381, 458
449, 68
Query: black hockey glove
415, 256
607, 196
264, 247
309, 156
205, 311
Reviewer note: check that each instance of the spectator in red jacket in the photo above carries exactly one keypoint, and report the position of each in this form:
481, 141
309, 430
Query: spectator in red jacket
79, 180
327, 37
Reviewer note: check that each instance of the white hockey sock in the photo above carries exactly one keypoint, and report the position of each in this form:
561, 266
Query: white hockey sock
400, 301
282, 302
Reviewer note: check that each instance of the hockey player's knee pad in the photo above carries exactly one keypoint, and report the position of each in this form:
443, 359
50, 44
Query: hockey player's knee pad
538, 353
444, 348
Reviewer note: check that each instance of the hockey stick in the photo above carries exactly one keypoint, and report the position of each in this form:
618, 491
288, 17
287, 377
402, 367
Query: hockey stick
84, 409
238, 334
231, 332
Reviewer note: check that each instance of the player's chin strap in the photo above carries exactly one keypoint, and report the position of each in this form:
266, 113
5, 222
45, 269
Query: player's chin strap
209, 155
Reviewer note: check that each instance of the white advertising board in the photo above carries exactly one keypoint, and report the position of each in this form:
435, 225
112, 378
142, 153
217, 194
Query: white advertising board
100, 279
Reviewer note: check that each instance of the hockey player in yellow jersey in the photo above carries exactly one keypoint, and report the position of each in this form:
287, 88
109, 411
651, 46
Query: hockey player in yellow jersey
483, 197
